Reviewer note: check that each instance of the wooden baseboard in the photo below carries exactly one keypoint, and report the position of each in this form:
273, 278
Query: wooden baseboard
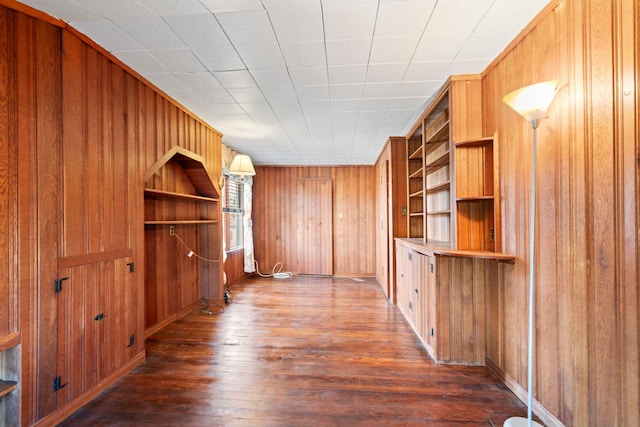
521, 393
155, 328
65, 411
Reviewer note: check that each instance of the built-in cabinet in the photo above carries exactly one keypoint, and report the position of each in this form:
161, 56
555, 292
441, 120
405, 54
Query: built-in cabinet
441, 293
452, 250
452, 172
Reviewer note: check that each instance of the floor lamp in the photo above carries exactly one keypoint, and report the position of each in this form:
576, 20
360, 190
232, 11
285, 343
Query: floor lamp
532, 103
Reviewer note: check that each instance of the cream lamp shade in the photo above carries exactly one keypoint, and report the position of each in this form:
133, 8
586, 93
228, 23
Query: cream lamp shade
532, 101
241, 165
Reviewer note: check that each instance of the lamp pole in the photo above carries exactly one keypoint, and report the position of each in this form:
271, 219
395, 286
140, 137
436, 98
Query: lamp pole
532, 231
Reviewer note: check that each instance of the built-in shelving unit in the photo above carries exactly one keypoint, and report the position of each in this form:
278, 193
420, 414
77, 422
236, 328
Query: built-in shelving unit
452, 172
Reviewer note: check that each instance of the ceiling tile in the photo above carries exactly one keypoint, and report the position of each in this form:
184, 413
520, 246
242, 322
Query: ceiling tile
201, 30
385, 72
152, 33
483, 45
405, 18
471, 66
280, 95
199, 81
247, 28
261, 56
178, 60
313, 93
347, 74
439, 47
112, 37
252, 108
447, 18
217, 96
167, 81
348, 52
396, 49
116, 10
351, 91
235, 79
349, 21
141, 61
412, 89
222, 58
345, 105
271, 77
315, 106
380, 90
247, 94
509, 15
173, 7
221, 6
64, 9
304, 54
420, 71
309, 76
407, 103
306, 26
381, 104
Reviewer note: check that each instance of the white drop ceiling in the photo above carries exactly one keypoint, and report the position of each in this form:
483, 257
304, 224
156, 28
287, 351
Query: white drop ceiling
301, 82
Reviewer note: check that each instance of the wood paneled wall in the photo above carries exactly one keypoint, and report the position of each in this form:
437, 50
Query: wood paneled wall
77, 132
274, 217
391, 200
587, 247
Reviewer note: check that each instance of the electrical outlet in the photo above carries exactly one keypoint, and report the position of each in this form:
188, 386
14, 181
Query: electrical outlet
172, 230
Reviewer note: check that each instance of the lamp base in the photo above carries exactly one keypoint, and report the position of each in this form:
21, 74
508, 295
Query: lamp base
520, 422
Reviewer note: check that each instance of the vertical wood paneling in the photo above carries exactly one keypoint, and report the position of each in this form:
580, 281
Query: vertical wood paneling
71, 196
314, 227
274, 211
587, 319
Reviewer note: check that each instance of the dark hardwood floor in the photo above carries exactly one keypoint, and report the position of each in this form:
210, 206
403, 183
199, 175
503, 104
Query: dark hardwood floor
297, 352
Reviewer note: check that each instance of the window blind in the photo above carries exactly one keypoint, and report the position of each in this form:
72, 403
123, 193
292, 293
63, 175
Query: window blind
233, 194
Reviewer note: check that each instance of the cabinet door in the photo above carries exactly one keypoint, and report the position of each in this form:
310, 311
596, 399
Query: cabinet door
93, 325
419, 293
430, 299
401, 277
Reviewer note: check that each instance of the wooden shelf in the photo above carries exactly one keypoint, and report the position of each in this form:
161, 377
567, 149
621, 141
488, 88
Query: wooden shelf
436, 188
475, 142
439, 135
439, 162
416, 174
417, 154
171, 195
7, 387
417, 194
473, 199
443, 212
416, 214
190, 221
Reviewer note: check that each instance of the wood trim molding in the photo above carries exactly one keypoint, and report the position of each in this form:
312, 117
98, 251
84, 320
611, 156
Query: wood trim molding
59, 415
76, 260
521, 393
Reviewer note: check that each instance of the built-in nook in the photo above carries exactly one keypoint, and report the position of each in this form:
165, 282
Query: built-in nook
182, 217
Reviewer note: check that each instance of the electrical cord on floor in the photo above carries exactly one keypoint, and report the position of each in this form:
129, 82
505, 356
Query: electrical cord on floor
276, 272
495, 413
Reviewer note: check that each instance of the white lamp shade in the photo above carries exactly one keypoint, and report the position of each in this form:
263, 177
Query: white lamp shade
241, 165
532, 101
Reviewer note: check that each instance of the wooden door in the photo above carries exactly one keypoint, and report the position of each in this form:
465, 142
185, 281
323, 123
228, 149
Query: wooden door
315, 226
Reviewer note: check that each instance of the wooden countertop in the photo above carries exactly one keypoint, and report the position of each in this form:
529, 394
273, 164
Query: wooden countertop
444, 249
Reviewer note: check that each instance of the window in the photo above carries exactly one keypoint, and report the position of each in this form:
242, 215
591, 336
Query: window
232, 210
